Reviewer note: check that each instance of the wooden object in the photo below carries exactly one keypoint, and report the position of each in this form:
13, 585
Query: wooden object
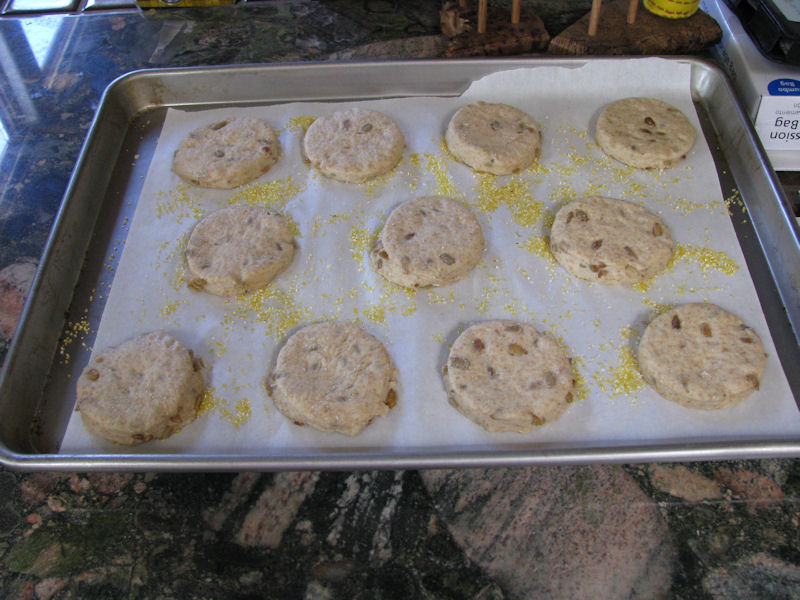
633, 8
502, 36
594, 17
516, 8
648, 34
483, 9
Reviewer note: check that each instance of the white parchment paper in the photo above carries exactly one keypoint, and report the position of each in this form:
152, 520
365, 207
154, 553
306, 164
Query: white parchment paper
330, 277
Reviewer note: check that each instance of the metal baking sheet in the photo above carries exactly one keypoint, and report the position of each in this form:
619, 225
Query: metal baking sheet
93, 222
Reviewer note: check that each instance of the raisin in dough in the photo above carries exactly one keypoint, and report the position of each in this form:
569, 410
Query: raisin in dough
506, 376
238, 249
493, 138
334, 377
146, 388
228, 153
610, 241
644, 133
428, 241
701, 356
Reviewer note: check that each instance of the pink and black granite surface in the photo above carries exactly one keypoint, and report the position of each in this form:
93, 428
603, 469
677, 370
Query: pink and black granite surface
708, 530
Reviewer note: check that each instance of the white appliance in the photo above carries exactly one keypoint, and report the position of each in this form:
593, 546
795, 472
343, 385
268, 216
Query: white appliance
769, 90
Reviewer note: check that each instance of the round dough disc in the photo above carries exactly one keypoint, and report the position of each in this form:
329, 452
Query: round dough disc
146, 388
354, 145
428, 241
610, 241
333, 377
238, 249
701, 356
228, 153
493, 138
506, 376
645, 133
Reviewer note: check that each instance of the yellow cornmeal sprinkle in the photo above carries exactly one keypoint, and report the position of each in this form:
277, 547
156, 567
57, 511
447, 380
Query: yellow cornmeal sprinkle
217, 347
686, 206
301, 123
413, 161
178, 205
176, 278
482, 304
489, 198
170, 308
273, 194
578, 162
437, 166
579, 390
562, 193
482, 307
709, 260
621, 174
644, 286
514, 195
334, 218
273, 307
625, 378
735, 200
211, 403
435, 297
109, 264
540, 246
361, 240
375, 313
636, 189
376, 184
658, 308
73, 331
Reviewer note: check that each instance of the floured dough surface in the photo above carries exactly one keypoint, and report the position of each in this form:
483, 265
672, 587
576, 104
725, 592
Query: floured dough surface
493, 138
645, 133
238, 249
610, 241
354, 145
701, 356
334, 377
507, 376
228, 153
146, 388
428, 241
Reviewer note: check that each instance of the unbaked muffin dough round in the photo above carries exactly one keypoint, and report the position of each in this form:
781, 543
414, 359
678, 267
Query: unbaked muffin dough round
333, 377
644, 133
428, 241
701, 356
507, 376
227, 153
354, 145
148, 387
493, 138
238, 249
610, 241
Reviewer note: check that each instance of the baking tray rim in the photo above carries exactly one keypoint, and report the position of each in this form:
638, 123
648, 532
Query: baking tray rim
418, 458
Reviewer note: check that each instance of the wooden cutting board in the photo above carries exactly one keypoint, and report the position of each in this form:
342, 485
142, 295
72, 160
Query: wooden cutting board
649, 34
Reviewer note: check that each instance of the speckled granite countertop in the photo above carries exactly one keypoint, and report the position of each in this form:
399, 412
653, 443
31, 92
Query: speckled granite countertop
698, 530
